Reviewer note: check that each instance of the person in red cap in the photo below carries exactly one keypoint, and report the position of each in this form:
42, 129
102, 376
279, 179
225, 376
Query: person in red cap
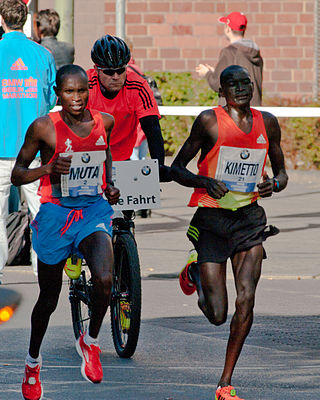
241, 51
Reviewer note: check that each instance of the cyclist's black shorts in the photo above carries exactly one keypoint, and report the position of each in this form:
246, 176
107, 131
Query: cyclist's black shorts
218, 233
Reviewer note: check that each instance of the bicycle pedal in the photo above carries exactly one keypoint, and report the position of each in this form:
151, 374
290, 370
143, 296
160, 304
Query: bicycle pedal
73, 267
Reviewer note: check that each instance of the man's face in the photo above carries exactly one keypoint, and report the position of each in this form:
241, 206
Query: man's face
74, 93
237, 88
227, 31
111, 79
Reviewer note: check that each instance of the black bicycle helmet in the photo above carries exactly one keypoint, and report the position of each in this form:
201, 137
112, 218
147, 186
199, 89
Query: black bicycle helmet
110, 52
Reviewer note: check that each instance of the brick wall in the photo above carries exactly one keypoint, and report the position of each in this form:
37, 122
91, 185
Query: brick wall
88, 26
176, 35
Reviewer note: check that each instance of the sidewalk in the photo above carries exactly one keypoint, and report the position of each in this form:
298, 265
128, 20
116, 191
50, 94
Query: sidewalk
179, 354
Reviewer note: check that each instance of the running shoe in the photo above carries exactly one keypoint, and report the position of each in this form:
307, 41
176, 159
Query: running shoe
187, 285
91, 368
31, 385
226, 393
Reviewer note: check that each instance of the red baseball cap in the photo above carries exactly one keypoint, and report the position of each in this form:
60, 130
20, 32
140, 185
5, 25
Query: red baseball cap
236, 20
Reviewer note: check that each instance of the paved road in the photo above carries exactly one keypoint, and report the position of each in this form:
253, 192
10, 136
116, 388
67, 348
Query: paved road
180, 355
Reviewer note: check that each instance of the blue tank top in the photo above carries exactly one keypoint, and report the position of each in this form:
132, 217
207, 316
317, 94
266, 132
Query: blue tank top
28, 74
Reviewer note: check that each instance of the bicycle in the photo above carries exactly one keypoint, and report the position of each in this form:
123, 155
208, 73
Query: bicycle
125, 305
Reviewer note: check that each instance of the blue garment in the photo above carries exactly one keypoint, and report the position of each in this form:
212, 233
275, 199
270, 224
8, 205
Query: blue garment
27, 74
57, 231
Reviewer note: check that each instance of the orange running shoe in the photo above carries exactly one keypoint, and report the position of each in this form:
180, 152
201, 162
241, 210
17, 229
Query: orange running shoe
187, 286
91, 368
31, 385
226, 393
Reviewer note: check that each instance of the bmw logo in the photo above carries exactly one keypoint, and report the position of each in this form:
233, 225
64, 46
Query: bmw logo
146, 170
85, 158
245, 154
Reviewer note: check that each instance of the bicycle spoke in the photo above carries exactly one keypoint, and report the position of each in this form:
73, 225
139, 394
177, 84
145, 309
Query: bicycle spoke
126, 299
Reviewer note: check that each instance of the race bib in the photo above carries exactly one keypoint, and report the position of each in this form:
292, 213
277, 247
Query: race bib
240, 169
85, 176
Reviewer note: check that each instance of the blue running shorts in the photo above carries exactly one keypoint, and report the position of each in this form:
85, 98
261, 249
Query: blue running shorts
57, 231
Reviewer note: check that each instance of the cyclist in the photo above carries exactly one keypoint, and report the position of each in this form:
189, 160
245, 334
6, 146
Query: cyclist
127, 96
234, 141
73, 217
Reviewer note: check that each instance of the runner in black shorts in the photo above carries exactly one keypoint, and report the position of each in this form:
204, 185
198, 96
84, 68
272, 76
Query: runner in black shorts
234, 142
219, 233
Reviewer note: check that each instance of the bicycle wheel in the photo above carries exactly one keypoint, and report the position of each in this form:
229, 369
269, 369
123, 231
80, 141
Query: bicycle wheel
126, 295
79, 296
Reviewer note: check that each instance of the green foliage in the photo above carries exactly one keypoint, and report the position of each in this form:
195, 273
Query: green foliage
181, 89
301, 142
300, 136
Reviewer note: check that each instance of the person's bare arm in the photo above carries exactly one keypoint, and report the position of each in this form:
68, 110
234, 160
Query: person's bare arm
275, 153
201, 138
36, 138
112, 193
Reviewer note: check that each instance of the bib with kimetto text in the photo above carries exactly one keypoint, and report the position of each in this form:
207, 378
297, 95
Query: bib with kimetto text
240, 168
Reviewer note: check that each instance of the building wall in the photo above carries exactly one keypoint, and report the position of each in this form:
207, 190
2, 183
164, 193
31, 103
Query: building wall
177, 35
88, 26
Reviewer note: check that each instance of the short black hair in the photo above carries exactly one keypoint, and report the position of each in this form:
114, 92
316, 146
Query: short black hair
230, 70
69, 69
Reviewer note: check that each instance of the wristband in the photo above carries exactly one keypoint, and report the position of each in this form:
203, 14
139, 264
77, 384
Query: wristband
276, 184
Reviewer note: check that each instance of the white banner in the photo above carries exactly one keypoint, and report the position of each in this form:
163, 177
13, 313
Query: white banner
276, 111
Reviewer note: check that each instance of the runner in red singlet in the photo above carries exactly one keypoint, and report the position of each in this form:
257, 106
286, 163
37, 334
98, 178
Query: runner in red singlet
234, 142
127, 96
74, 217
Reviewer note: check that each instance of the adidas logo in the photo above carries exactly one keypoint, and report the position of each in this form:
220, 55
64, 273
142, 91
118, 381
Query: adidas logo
100, 141
19, 65
261, 139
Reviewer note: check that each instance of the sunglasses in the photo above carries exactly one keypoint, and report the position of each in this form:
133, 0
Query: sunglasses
111, 72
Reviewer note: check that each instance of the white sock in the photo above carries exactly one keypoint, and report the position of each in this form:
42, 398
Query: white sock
90, 340
33, 362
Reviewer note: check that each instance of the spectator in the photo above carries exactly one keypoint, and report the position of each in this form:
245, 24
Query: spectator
243, 52
47, 25
27, 78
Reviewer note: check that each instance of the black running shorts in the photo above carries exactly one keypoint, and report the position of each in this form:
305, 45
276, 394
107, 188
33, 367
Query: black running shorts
218, 233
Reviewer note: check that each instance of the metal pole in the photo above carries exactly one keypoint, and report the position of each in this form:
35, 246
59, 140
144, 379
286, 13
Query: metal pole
33, 8
316, 51
120, 19
65, 8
